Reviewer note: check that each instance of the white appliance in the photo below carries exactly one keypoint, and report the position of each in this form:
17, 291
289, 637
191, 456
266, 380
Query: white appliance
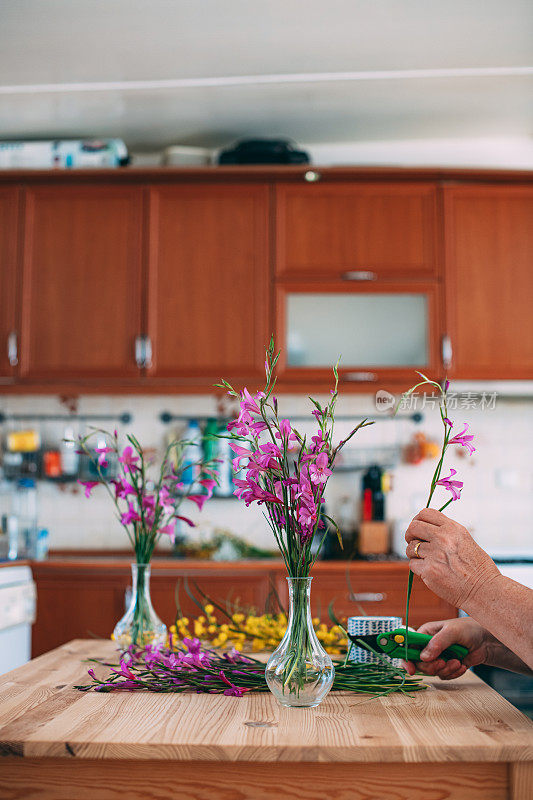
17, 615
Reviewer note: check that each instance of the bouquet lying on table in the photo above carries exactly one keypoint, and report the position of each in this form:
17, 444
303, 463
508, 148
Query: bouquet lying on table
191, 667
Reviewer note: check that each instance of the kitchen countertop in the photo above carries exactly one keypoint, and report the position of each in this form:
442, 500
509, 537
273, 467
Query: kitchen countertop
455, 741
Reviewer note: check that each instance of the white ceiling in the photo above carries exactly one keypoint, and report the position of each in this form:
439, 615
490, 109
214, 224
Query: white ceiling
45, 46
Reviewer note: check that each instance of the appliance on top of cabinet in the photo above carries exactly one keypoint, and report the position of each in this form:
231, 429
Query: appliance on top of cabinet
63, 153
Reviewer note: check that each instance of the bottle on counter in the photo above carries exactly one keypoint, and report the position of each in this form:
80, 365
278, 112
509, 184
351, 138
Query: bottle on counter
224, 467
191, 453
69, 457
25, 510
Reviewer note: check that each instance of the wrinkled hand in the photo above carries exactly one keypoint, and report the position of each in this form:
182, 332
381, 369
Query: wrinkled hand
448, 560
465, 631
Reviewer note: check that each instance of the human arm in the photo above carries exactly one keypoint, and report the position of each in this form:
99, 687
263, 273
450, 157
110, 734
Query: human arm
453, 566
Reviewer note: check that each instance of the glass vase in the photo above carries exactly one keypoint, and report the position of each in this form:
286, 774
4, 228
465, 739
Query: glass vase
299, 673
140, 624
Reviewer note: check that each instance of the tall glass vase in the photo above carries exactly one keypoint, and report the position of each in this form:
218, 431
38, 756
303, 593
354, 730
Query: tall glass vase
140, 624
299, 673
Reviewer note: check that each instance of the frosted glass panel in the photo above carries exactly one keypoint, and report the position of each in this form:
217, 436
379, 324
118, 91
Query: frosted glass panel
372, 330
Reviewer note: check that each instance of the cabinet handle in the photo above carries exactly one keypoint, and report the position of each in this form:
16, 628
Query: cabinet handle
359, 275
368, 597
359, 377
12, 349
447, 352
147, 352
311, 176
139, 351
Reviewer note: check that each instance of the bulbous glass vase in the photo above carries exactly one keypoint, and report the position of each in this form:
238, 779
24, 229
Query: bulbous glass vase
299, 673
140, 624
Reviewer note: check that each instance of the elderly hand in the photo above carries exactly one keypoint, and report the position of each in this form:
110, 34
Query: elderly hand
479, 642
446, 557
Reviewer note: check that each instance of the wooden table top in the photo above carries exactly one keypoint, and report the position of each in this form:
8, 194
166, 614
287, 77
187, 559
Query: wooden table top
41, 715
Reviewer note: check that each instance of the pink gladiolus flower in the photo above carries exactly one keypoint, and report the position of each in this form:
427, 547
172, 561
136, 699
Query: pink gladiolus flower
258, 427
165, 500
128, 457
285, 431
319, 472
448, 421
199, 499
249, 403
318, 442
188, 521
209, 484
452, 486
89, 486
102, 452
464, 439
122, 488
169, 530
130, 515
446, 385
241, 425
232, 690
307, 514
148, 501
242, 453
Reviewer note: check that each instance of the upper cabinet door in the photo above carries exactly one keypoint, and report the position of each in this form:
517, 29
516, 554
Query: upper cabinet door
9, 231
356, 232
81, 300
208, 281
489, 281
380, 332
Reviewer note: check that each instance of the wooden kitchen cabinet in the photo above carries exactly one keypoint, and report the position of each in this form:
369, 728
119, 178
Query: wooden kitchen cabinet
208, 281
356, 231
381, 331
9, 263
489, 280
84, 597
82, 300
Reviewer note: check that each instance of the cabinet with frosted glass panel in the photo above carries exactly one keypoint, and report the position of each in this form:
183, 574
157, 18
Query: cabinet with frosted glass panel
382, 332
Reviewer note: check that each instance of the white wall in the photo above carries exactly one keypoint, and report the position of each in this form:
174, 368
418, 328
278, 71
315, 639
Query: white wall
497, 502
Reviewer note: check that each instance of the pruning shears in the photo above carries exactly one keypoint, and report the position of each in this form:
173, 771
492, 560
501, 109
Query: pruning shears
392, 644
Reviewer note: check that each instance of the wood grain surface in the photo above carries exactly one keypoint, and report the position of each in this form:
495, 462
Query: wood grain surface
456, 741
43, 716
55, 779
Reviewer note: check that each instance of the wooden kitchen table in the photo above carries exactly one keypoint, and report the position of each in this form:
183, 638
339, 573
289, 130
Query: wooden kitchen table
455, 741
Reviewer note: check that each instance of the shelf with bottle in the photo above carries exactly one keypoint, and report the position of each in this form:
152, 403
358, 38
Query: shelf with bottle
204, 440
39, 447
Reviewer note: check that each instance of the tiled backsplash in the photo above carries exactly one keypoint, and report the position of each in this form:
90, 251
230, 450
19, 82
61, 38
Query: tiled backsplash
497, 502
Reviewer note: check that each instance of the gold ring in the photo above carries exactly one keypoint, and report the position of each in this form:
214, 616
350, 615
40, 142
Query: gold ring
417, 545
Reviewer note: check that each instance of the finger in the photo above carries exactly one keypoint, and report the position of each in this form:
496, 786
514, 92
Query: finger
416, 550
416, 565
432, 627
434, 668
409, 667
432, 516
461, 671
420, 530
439, 642
450, 668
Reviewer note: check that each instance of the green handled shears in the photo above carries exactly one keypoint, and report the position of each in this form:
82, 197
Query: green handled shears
392, 644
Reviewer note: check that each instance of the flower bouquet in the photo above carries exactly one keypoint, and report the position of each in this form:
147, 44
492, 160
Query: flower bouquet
147, 510
287, 473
